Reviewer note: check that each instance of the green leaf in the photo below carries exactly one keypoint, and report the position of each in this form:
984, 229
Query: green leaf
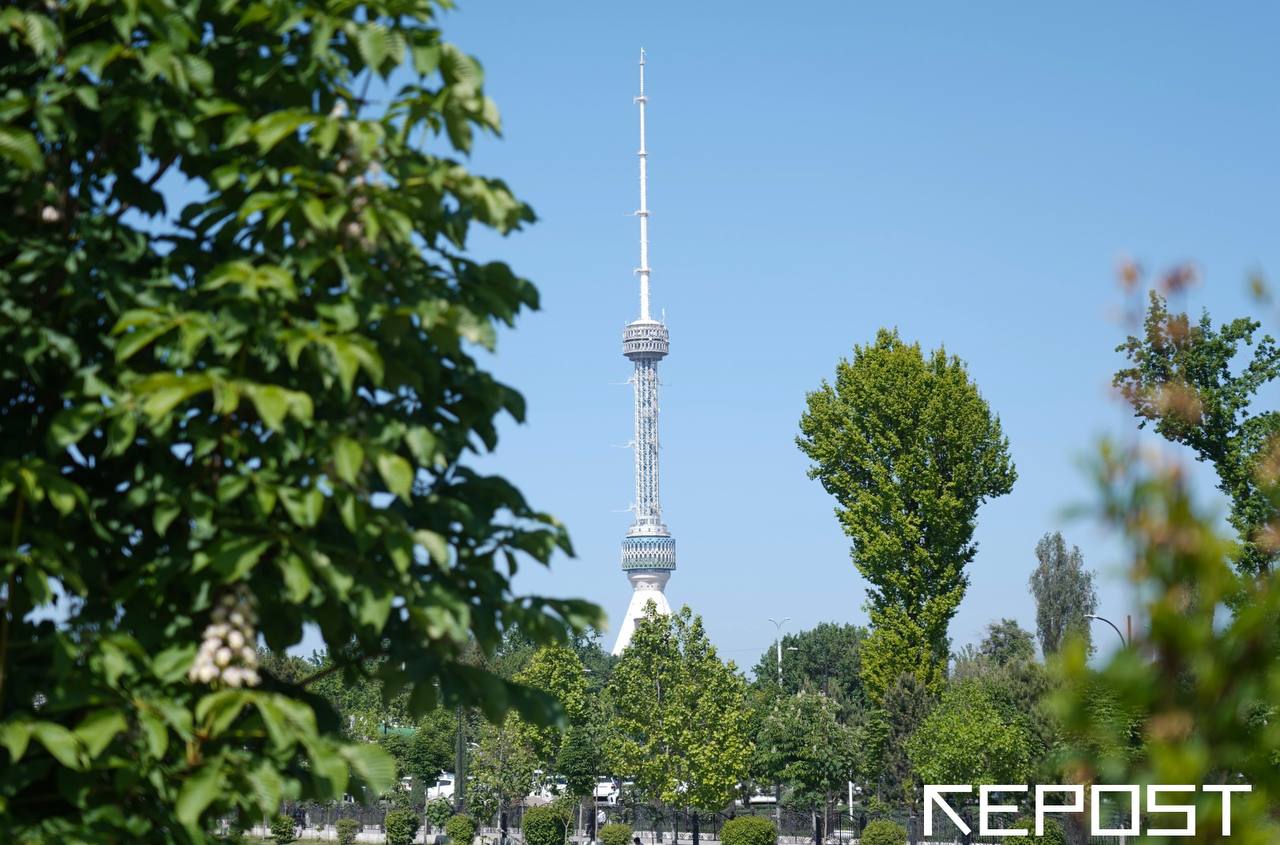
268, 786
297, 580
74, 423
14, 736
60, 743
198, 792
436, 545
98, 729
375, 607
372, 765
172, 663
275, 127
348, 457
274, 403
303, 506
397, 473
20, 147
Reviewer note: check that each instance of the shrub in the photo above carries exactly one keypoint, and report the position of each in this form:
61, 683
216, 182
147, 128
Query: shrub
884, 832
347, 830
401, 827
748, 830
615, 834
461, 829
1053, 833
283, 829
438, 812
547, 825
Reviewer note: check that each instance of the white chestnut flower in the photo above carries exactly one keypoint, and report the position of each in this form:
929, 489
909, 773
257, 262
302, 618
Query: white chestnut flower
49, 214
226, 653
339, 110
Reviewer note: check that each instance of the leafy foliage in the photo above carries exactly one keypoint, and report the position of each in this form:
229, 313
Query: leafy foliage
1006, 643
748, 830
909, 449
619, 834
677, 715
260, 384
904, 708
284, 829
546, 825
1064, 594
825, 658
347, 830
401, 827
503, 764
460, 829
1186, 381
1193, 700
802, 744
1053, 833
883, 832
579, 761
438, 812
966, 739
557, 671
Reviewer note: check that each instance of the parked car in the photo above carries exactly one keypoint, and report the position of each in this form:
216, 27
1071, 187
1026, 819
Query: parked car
607, 790
442, 788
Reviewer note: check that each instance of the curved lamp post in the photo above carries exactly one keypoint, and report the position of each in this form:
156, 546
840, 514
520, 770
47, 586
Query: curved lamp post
1123, 641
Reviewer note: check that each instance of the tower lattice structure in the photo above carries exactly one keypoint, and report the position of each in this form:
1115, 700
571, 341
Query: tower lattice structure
648, 550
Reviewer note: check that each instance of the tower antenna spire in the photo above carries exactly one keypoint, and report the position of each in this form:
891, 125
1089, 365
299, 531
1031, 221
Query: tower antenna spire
643, 211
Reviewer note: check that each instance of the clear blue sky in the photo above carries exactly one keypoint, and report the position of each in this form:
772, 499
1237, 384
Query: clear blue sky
969, 175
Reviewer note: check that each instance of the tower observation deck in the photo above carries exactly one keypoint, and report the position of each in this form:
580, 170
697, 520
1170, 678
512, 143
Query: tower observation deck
648, 550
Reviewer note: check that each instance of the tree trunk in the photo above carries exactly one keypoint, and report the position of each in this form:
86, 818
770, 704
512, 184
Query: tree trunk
695, 827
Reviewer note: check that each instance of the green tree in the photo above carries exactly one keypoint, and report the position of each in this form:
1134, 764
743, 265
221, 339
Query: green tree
284, 829
438, 812
883, 832
502, 765
546, 825
347, 829
825, 658
966, 739
803, 745
431, 748
557, 671
909, 449
1064, 594
578, 762
401, 826
1007, 643
244, 407
460, 829
1019, 689
904, 708
1188, 382
1193, 700
678, 719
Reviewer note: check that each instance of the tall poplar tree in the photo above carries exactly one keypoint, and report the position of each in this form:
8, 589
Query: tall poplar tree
909, 449
1064, 594
678, 718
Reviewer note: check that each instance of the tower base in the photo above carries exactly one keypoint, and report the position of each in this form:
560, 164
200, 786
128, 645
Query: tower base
647, 586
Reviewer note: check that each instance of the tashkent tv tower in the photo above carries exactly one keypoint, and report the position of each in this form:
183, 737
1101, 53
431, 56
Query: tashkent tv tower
649, 550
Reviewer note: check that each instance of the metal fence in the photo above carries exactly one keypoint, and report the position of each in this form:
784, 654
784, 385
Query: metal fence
664, 826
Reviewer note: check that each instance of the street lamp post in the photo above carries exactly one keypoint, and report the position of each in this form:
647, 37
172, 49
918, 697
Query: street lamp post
1124, 642
777, 785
